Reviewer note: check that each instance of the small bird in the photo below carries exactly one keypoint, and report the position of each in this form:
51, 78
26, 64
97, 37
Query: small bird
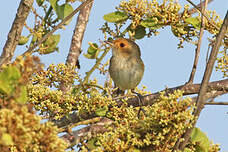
126, 66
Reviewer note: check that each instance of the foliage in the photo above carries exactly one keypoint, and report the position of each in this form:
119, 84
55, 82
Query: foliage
85, 99
223, 62
45, 24
155, 130
162, 124
154, 16
20, 128
158, 129
26, 133
25, 85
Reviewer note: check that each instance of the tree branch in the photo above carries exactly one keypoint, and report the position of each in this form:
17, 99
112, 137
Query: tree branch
150, 99
31, 49
206, 77
76, 42
78, 35
210, 96
197, 51
189, 89
199, 6
75, 137
15, 31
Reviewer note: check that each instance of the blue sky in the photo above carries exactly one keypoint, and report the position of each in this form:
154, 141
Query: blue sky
165, 65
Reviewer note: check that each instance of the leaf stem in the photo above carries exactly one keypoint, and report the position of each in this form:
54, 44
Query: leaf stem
88, 74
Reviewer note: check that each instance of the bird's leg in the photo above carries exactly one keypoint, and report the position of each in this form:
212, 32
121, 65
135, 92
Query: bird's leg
140, 102
118, 91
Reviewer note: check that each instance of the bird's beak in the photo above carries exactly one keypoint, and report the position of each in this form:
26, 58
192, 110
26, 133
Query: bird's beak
110, 42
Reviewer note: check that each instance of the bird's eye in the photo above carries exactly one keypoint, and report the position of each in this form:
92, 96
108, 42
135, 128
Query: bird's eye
122, 44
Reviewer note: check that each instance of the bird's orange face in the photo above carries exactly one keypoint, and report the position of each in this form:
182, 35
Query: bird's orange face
122, 46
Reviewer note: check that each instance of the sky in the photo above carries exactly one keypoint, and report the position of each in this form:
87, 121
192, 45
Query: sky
165, 65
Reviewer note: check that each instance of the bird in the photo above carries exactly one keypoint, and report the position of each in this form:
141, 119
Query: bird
126, 66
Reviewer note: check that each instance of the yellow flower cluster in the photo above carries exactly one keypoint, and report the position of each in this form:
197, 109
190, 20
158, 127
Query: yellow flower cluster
83, 98
222, 60
156, 130
22, 131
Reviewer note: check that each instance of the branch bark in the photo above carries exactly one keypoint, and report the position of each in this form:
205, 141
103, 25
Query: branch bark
199, 6
75, 48
189, 89
210, 96
206, 77
15, 31
78, 35
197, 51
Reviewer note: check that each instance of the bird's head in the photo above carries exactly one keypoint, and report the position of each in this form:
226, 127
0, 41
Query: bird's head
124, 47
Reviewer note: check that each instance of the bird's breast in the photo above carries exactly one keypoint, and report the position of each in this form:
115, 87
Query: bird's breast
126, 72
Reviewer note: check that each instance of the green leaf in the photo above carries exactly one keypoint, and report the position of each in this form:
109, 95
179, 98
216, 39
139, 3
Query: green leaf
92, 51
23, 95
34, 39
201, 138
89, 56
115, 17
140, 32
151, 23
39, 2
194, 21
92, 48
51, 44
101, 111
6, 139
54, 4
63, 11
23, 40
8, 79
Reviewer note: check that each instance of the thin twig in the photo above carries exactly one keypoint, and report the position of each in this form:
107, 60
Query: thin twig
216, 103
205, 15
40, 17
83, 122
76, 136
207, 74
197, 51
48, 13
98, 61
31, 49
199, 6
